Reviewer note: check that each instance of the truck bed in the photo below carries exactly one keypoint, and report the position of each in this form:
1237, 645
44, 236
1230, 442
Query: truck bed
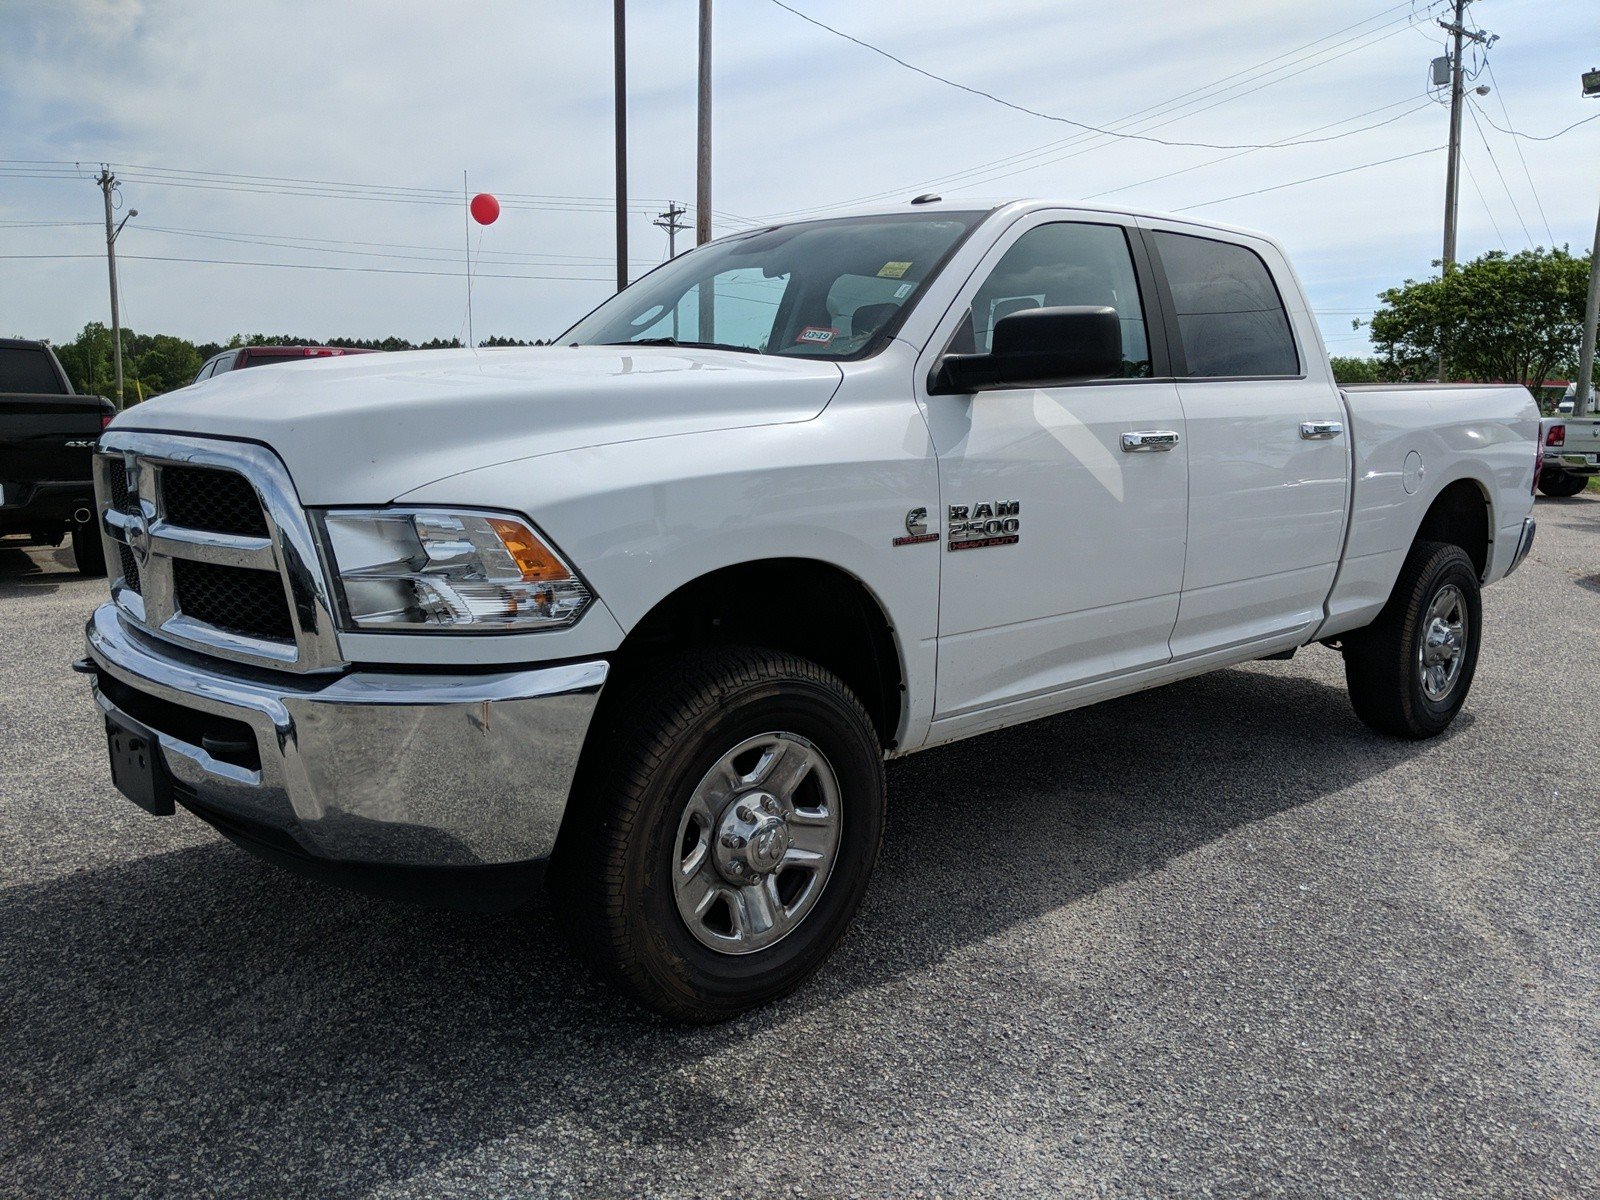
1410, 441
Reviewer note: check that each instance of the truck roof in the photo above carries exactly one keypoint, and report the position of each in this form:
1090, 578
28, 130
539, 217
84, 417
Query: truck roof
1019, 205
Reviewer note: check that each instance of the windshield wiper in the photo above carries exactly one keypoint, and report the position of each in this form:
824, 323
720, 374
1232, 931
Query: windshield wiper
672, 341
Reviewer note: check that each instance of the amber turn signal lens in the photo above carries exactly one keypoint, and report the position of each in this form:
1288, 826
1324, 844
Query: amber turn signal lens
533, 557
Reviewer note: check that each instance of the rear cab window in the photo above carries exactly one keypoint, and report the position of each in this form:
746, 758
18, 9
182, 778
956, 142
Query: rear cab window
1231, 318
28, 370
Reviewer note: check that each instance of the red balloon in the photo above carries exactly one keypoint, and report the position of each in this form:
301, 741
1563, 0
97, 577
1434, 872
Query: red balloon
485, 209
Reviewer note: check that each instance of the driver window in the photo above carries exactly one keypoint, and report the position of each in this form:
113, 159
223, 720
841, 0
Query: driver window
1062, 265
744, 304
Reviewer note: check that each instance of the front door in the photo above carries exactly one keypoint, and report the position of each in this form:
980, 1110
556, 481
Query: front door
1063, 538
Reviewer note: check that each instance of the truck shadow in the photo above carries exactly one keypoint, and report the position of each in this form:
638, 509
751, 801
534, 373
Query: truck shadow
24, 572
198, 1016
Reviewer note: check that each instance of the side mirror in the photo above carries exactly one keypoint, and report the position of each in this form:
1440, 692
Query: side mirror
1038, 347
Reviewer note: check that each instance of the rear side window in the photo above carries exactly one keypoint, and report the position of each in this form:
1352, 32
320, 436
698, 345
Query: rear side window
27, 369
1230, 316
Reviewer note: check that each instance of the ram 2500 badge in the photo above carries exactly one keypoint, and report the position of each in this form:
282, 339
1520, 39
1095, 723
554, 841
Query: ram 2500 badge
656, 603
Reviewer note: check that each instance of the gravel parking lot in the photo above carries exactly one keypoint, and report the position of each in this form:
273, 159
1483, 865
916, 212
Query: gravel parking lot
1213, 939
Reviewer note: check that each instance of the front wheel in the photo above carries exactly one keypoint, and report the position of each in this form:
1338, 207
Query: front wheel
1410, 670
723, 833
1561, 483
88, 551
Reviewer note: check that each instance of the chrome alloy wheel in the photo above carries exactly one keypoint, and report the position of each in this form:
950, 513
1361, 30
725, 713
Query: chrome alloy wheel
756, 843
1443, 649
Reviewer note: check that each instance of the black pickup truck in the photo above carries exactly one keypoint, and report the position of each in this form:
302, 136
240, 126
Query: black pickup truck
47, 441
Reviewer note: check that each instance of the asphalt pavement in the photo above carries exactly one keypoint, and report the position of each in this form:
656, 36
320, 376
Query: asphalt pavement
1213, 939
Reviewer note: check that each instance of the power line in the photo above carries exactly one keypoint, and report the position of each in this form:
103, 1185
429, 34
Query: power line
1527, 174
1472, 111
1241, 153
1172, 108
1033, 112
1310, 179
1193, 112
1484, 200
234, 262
1533, 137
334, 246
289, 186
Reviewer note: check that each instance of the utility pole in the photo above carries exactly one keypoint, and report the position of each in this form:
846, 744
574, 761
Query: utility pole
108, 184
702, 188
669, 221
1452, 171
1452, 179
1583, 393
619, 69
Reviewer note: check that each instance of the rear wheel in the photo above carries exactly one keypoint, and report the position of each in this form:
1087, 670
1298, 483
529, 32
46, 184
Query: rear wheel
1561, 483
88, 551
724, 832
1410, 670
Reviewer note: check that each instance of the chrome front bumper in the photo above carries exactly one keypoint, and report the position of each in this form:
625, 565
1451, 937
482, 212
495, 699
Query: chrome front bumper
434, 770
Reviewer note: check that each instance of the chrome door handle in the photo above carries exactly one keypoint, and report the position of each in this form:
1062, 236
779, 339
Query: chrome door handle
1317, 431
1146, 441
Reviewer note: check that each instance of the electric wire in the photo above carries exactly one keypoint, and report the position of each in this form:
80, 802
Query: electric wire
1211, 162
234, 262
1309, 180
1533, 137
1484, 200
1033, 112
1522, 158
1472, 111
1172, 108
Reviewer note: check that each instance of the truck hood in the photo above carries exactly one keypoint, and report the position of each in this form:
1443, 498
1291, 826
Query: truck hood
367, 428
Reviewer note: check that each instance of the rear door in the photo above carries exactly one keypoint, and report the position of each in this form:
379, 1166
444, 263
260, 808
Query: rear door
1063, 551
1269, 465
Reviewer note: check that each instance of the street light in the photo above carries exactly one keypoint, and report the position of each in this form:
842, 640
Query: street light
1583, 392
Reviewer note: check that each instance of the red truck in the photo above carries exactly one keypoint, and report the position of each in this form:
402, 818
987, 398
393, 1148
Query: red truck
261, 356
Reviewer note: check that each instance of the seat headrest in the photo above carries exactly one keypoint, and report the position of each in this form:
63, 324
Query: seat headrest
871, 317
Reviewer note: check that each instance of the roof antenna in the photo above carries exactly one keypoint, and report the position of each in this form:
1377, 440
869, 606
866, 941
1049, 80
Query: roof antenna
927, 198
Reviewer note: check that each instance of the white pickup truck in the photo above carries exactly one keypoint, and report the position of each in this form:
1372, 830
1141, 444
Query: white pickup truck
656, 603
1571, 452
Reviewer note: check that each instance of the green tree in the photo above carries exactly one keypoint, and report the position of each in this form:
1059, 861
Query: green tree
1515, 318
87, 360
166, 363
1358, 370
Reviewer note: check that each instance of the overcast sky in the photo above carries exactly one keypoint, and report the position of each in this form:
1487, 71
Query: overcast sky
401, 97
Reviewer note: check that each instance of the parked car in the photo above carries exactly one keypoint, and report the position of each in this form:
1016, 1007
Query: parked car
47, 439
1571, 454
262, 356
655, 604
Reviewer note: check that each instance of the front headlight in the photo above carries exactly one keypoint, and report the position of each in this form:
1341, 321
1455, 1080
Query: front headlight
463, 572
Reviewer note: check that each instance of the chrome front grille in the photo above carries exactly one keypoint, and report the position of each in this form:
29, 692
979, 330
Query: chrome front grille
213, 549
235, 599
217, 501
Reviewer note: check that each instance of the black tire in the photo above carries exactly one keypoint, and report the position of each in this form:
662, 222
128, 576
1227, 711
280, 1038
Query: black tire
1561, 483
613, 869
88, 551
1382, 663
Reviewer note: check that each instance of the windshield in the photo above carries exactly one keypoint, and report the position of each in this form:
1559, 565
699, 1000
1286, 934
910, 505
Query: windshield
822, 289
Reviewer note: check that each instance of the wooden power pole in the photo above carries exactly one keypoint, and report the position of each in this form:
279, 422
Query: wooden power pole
702, 188
619, 68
